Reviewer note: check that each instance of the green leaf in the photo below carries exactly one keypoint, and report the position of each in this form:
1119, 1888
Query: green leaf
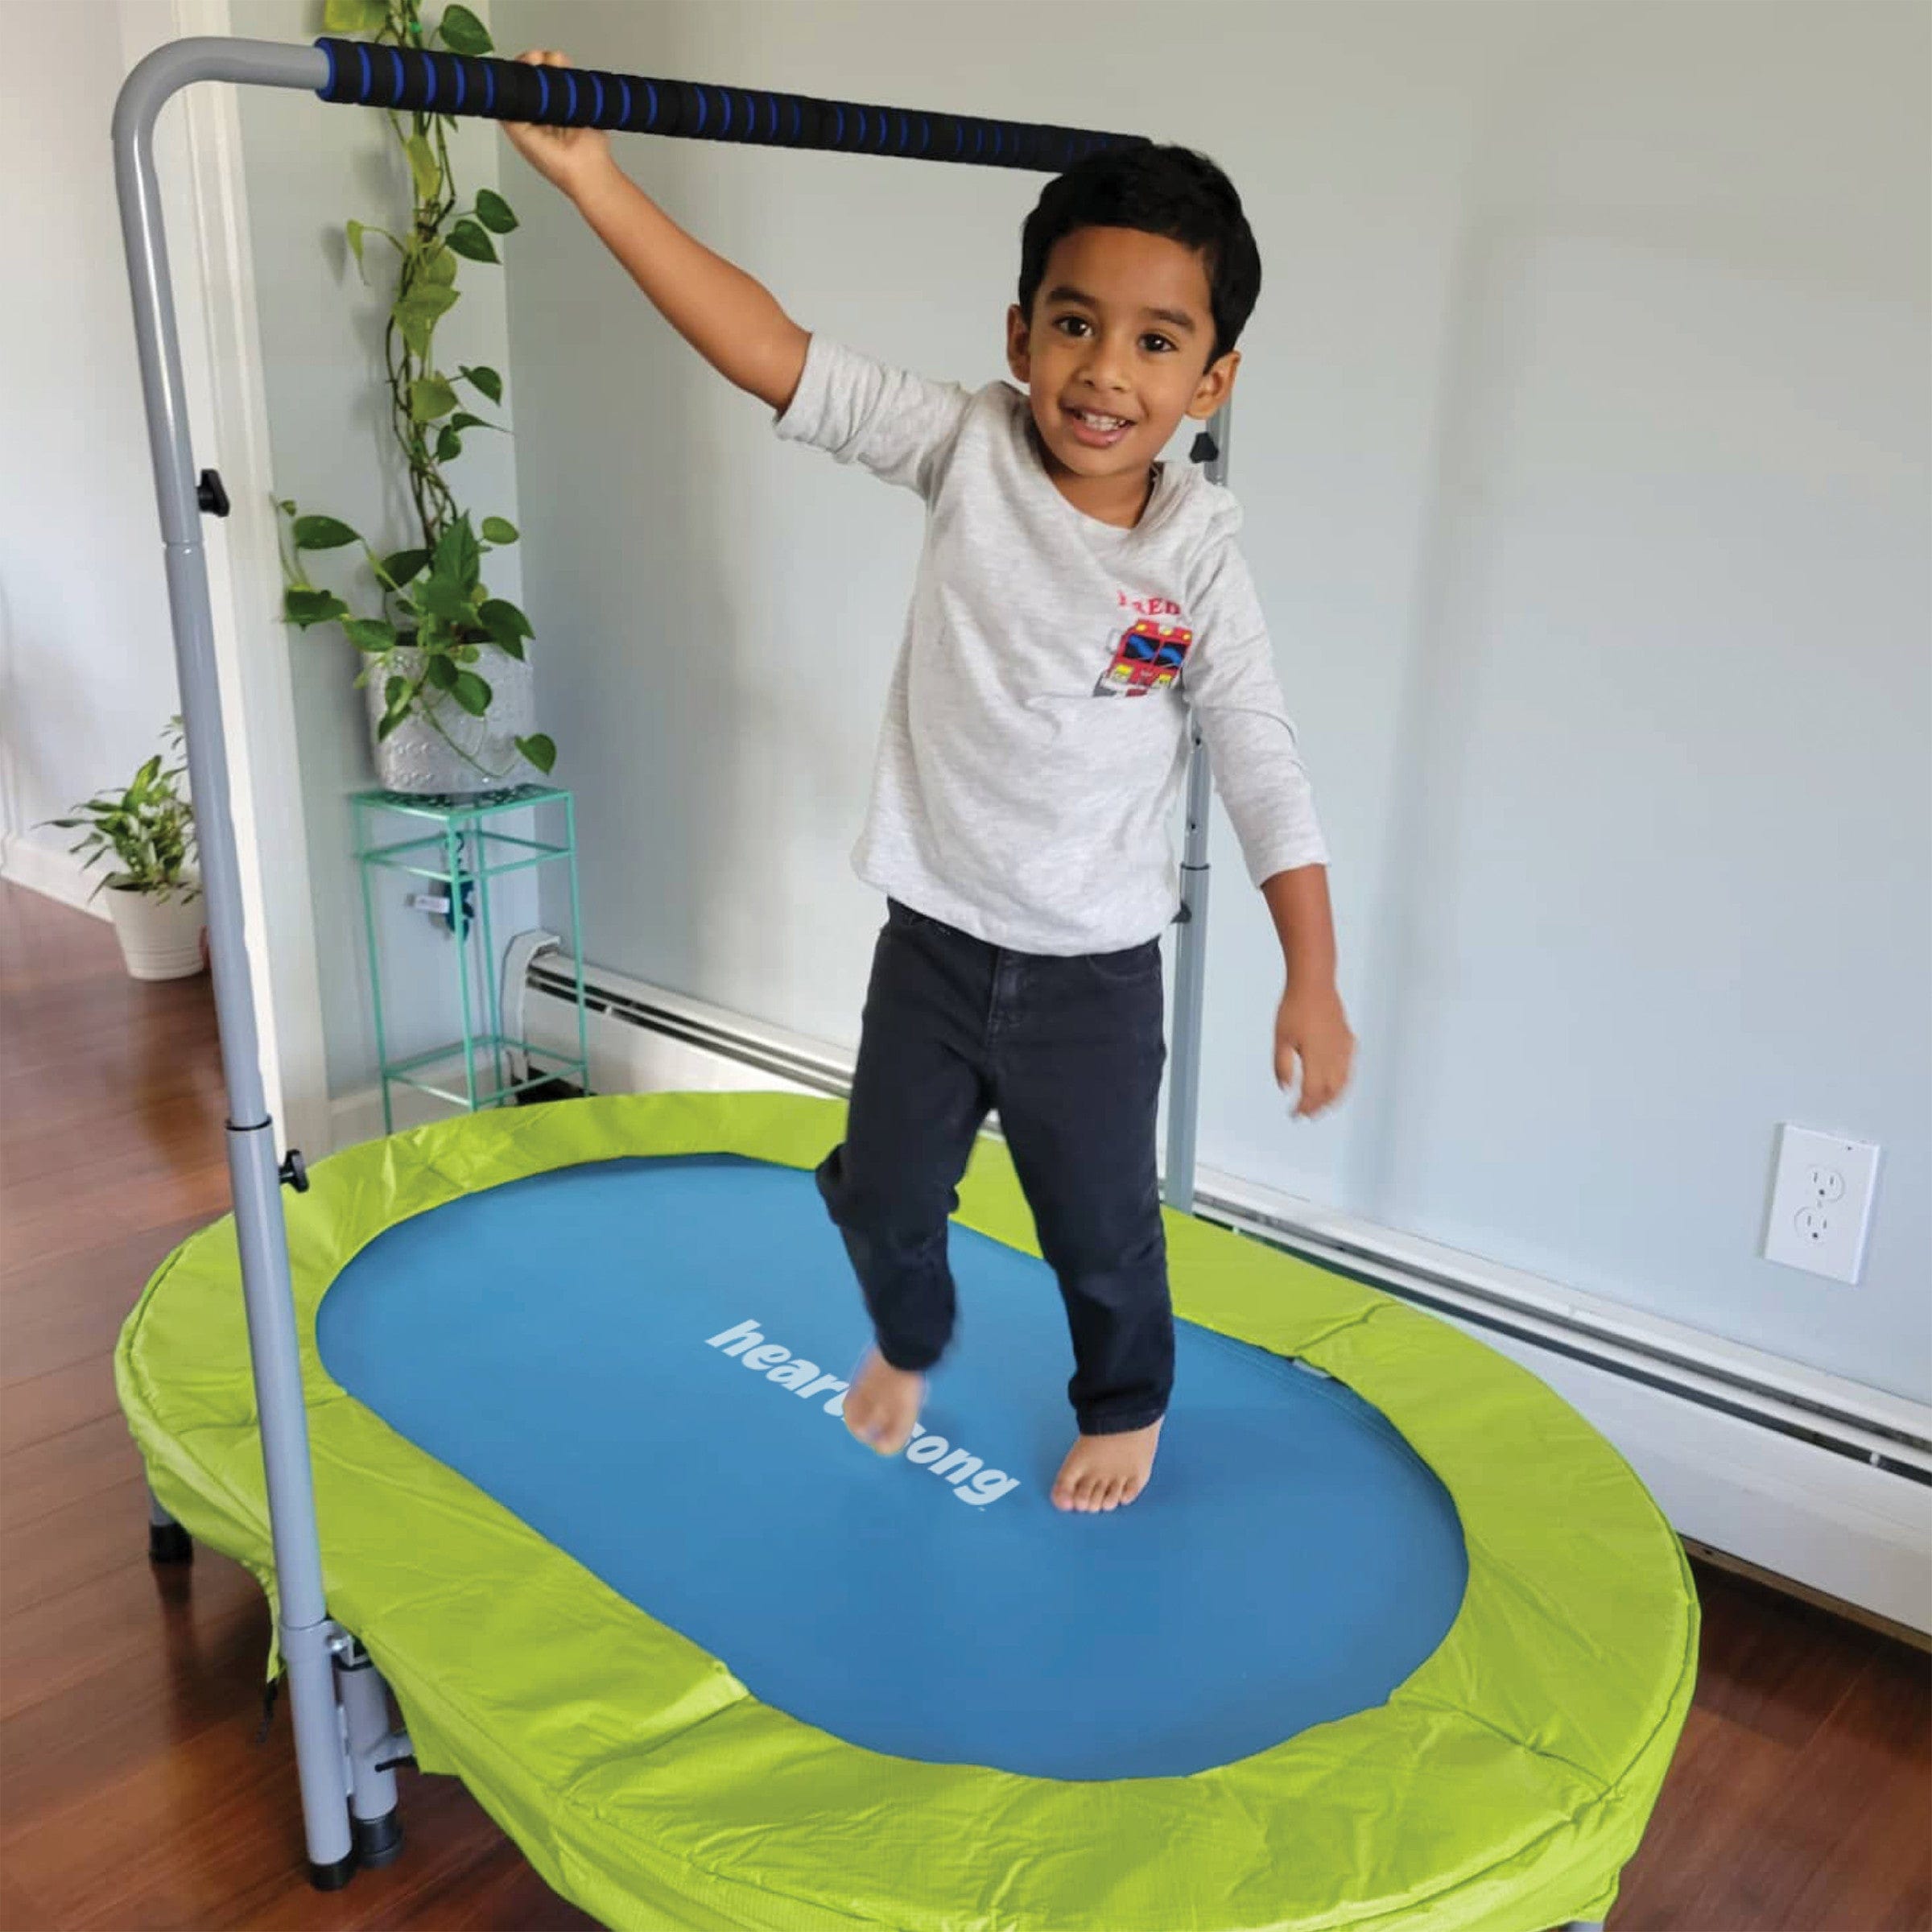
323, 533
463, 420
352, 16
471, 693
430, 397
494, 213
395, 703
441, 672
306, 608
499, 529
370, 633
458, 556
418, 313
437, 267
502, 619
400, 566
437, 597
510, 647
422, 167
449, 445
541, 749
486, 379
355, 232
463, 33
469, 240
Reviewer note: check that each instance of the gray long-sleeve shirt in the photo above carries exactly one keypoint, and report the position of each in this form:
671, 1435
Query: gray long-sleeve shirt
1035, 737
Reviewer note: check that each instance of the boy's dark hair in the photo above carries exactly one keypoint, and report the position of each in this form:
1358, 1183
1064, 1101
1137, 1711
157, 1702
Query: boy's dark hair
1162, 190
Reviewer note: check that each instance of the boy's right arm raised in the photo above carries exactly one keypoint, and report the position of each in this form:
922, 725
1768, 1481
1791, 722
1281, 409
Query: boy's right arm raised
734, 321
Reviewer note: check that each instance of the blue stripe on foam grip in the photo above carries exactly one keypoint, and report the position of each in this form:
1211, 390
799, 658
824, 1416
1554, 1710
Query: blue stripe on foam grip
489, 87
570, 85
462, 67
368, 79
596, 112
652, 86
395, 68
429, 97
543, 93
327, 89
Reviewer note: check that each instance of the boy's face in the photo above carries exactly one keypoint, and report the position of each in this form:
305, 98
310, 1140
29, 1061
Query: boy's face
1116, 351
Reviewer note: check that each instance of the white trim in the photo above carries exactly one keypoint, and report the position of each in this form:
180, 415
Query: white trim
1732, 1440
51, 870
207, 211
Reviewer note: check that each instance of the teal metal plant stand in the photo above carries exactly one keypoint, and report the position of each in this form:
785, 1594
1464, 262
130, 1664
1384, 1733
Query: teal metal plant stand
458, 846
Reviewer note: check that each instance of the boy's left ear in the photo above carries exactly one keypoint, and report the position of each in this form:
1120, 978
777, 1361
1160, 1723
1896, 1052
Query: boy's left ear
1215, 386
1019, 345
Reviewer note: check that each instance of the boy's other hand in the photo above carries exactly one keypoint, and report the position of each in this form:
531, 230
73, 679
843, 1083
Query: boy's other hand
1312, 1028
564, 156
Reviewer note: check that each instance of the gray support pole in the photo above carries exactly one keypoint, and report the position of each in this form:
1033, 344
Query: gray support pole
373, 1750
254, 1177
1190, 952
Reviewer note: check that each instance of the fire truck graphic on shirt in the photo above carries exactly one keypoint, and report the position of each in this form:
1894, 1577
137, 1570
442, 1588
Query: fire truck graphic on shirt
1148, 657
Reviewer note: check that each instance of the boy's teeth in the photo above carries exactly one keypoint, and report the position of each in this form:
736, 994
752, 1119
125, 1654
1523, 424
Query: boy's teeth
1099, 422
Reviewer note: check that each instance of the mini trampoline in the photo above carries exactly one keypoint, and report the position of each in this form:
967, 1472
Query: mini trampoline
1395, 1639
534, 1415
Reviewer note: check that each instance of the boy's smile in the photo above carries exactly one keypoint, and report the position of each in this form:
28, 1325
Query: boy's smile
1119, 347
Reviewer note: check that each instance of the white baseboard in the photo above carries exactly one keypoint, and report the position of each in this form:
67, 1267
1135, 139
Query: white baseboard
1798, 1473
39, 864
358, 1116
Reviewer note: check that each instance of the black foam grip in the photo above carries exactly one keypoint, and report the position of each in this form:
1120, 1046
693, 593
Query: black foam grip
412, 79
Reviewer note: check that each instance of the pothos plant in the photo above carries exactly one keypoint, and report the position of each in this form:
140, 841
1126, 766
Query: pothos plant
428, 625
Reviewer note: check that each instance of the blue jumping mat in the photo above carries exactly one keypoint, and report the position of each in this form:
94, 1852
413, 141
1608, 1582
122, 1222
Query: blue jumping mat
624, 1355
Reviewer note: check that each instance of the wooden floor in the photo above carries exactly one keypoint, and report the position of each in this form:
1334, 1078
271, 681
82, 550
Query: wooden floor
132, 1795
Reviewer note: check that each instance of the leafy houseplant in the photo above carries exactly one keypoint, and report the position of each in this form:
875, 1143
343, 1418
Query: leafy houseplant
154, 895
430, 635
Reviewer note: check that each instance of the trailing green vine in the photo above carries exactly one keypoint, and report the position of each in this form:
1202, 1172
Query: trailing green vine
434, 621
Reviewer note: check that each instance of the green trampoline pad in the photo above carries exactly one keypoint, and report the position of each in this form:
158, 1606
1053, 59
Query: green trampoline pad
1502, 1783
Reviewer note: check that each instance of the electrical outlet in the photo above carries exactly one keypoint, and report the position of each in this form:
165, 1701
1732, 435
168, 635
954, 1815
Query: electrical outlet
1821, 1203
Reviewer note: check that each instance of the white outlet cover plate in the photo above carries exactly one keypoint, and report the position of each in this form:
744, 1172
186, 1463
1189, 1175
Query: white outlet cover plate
1821, 1203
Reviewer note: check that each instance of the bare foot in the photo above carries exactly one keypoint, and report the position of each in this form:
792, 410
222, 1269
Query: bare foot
1106, 1471
883, 1404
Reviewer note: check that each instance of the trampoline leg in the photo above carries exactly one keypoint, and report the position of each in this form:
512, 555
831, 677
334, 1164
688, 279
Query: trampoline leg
167, 1543
374, 1750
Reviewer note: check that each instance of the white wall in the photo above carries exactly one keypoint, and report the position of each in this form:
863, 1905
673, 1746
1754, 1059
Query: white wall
309, 169
87, 671
1584, 436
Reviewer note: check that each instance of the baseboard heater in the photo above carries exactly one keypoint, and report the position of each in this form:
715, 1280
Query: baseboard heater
1807, 1478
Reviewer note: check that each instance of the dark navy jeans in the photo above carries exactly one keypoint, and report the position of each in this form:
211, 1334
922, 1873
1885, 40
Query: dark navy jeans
1069, 1052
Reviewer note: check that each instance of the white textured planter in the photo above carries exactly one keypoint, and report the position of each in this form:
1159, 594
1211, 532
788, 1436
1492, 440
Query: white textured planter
160, 938
457, 754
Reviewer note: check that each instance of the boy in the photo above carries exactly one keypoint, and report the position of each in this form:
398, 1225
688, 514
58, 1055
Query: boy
1076, 597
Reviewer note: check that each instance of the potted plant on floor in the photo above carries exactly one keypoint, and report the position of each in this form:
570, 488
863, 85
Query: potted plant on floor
450, 700
154, 896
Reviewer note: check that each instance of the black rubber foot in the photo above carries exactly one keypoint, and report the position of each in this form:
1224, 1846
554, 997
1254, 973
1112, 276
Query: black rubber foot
331, 1878
169, 1543
378, 1839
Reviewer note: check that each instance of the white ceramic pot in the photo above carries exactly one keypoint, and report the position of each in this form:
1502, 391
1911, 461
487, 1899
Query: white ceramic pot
160, 938
450, 751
